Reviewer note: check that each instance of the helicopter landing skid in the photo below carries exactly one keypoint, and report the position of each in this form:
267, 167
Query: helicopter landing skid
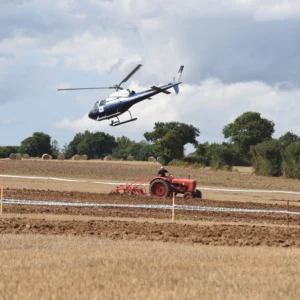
118, 122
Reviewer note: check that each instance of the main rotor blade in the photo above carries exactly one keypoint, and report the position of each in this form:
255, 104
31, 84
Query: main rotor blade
92, 88
130, 74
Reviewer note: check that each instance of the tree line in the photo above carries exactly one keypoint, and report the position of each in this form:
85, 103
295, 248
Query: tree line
248, 142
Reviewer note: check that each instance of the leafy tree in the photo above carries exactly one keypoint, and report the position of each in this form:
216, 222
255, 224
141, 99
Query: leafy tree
54, 148
291, 161
71, 148
5, 151
219, 155
267, 158
66, 150
94, 145
203, 153
169, 139
289, 138
37, 144
141, 150
123, 147
192, 158
248, 130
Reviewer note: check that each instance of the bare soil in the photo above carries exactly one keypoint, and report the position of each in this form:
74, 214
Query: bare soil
221, 228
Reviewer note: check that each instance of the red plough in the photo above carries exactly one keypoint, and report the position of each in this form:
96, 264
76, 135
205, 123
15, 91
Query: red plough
137, 188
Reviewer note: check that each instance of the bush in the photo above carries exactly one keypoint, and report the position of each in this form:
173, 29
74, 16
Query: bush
221, 156
191, 159
291, 161
178, 163
267, 158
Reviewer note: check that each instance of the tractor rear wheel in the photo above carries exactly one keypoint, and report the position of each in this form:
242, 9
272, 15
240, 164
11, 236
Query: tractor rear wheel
188, 196
160, 188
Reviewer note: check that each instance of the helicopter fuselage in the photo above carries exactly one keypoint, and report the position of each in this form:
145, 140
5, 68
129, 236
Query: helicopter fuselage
120, 102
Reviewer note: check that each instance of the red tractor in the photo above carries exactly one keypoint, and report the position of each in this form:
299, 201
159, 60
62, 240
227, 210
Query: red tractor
165, 186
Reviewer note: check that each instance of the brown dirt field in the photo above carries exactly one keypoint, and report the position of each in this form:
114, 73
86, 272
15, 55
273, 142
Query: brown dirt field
245, 228
217, 235
204, 227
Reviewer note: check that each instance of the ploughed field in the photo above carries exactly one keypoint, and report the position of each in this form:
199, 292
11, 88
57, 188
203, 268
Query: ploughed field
202, 227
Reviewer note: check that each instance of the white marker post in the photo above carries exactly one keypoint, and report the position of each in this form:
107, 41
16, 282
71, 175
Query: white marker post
173, 208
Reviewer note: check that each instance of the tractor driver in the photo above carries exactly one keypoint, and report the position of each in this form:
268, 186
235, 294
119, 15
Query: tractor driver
162, 172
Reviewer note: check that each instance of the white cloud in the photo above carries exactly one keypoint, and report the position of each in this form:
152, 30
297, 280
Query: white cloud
8, 121
88, 52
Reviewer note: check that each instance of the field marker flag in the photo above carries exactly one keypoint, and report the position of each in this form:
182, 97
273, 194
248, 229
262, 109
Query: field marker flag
173, 208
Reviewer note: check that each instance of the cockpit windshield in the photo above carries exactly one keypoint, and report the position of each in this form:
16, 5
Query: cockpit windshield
99, 103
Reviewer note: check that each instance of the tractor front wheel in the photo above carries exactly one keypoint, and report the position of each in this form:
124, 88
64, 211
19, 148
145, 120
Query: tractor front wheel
198, 194
188, 196
160, 188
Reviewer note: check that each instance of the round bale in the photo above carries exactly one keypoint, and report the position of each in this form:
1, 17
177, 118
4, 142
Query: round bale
46, 156
84, 157
108, 157
150, 158
130, 158
76, 157
25, 156
61, 157
13, 156
18, 156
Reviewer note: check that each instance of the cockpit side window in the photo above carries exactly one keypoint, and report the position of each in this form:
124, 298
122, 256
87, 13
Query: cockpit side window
102, 102
96, 104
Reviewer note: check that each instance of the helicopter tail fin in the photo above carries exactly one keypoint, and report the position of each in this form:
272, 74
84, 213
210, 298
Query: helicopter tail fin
176, 79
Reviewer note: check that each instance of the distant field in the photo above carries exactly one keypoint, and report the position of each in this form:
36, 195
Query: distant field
130, 171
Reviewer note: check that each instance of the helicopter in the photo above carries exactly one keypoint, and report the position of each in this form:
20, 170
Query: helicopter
121, 100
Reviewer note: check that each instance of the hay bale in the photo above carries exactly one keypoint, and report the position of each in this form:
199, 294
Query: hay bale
46, 156
61, 157
18, 156
84, 157
158, 159
50, 157
25, 156
13, 156
150, 158
108, 157
76, 157
130, 158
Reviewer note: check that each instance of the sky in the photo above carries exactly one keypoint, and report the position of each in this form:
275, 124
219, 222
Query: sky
239, 56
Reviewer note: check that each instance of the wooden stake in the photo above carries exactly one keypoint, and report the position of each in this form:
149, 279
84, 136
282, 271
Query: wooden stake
173, 209
288, 215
